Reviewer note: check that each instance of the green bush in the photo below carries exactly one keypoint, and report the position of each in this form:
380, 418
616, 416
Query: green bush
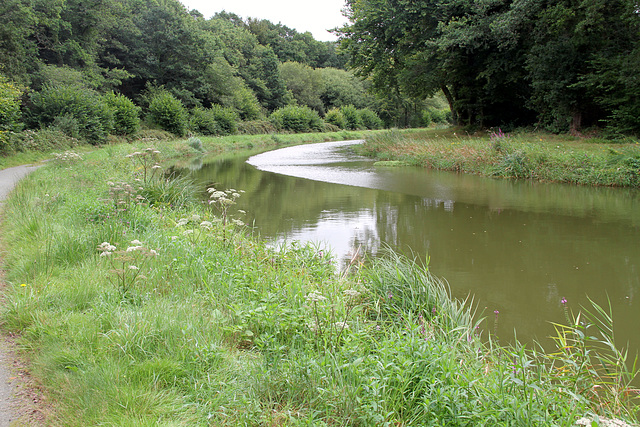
41, 140
352, 117
217, 120
126, 115
167, 112
296, 118
440, 116
335, 117
85, 106
256, 127
370, 119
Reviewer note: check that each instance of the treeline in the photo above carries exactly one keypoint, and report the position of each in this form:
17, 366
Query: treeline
562, 64
88, 69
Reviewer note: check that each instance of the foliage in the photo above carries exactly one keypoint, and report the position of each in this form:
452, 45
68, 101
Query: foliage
304, 83
369, 119
216, 120
296, 119
126, 115
10, 116
565, 64
352, 117
94, 118
335, 117
166, 111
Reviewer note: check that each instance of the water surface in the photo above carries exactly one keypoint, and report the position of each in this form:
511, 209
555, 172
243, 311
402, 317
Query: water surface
515, 246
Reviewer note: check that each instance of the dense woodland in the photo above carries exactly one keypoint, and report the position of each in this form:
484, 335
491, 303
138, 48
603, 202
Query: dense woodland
562, 64
93, 68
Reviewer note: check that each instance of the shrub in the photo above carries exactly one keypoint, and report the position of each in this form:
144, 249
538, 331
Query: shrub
256, 127
216, 120
352, 117
335, 117
195, 143
85, 106
370, 119
296, 119
168, 113
440, 116
42, 140
126, 115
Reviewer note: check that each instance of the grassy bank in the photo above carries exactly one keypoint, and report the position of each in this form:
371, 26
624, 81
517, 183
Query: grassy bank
535, 156
137, 304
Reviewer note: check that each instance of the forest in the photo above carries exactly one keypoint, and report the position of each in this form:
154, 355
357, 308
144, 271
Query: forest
562, 65
90, 69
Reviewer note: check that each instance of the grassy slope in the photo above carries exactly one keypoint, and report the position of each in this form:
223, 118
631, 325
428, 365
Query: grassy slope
535, 156
218, 329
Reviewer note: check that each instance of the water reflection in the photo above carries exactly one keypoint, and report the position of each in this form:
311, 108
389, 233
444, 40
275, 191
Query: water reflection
517, 247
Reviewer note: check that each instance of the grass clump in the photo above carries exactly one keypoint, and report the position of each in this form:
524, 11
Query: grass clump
189, 320
534, 156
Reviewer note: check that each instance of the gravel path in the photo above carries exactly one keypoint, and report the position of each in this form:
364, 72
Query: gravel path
17, 397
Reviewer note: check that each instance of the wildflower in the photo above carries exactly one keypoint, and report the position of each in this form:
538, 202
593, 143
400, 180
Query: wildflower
195, 218
134, 248
351, 293
341, 325
315, 297
187, 232
23, 284
133, 267
563, 301
206, 224
237, 222
136, 242
182, 222
153, 252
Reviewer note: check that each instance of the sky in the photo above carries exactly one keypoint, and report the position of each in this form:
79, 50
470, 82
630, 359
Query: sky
313, 16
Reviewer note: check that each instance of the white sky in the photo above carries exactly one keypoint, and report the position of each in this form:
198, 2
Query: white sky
314, 16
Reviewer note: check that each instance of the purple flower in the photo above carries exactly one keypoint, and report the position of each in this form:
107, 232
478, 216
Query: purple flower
563, 301
496, 312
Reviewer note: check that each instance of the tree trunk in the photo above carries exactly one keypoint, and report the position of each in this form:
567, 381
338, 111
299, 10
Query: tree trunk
449, 96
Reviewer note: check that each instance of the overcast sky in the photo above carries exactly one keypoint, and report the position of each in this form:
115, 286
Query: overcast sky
313, 16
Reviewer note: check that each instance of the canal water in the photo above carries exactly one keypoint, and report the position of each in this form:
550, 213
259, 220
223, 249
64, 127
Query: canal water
517, 247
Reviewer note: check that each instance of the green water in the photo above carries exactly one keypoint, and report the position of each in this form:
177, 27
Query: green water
515, 247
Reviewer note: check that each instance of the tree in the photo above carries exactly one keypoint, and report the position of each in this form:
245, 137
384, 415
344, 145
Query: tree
304, 83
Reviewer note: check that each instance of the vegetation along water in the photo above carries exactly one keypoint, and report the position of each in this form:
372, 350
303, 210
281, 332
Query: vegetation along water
136, 304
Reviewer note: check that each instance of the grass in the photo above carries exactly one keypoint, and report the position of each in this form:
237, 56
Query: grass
213, 327
527, 155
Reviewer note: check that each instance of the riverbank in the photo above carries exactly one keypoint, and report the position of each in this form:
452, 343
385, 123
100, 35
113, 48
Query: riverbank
138, 304
527, 155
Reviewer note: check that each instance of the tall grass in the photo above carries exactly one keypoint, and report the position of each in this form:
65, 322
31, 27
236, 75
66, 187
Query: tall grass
533, 156
218, 329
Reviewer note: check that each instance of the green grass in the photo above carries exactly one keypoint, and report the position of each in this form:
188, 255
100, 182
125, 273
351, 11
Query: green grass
527, 155
219, 329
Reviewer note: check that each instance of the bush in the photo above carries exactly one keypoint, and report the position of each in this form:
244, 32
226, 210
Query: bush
440, 116
256, 127
168, 113
217, 120
370, 119
94, 119
336, 118
126, 115
352, 117
296, 118
42, 140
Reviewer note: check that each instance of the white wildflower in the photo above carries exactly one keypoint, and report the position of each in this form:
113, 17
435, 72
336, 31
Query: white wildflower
341, 325
136, 242
206, 224
352, 293
195, 218
182, 222
315, 297
133, 267
187, 232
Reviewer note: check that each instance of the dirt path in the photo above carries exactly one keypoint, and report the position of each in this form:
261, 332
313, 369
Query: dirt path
18, 398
